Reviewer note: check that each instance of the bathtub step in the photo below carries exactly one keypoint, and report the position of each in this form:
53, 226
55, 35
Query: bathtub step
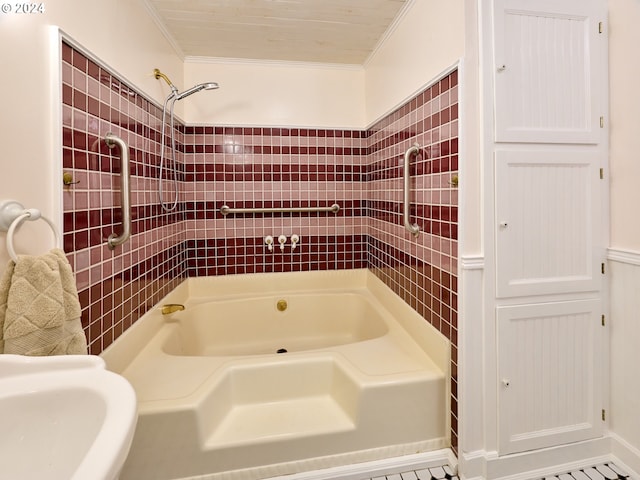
261, 422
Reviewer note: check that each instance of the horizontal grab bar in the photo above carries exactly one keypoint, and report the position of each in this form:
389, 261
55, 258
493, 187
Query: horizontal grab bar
413, 228
226, 210
125, 191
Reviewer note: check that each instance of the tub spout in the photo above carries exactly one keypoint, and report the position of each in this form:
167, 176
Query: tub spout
171, 307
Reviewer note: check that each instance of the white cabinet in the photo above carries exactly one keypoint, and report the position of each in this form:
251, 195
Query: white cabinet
546, 82
548, 152
548, 221
549, 370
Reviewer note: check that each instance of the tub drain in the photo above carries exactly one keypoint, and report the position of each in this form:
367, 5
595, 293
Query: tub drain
281, 350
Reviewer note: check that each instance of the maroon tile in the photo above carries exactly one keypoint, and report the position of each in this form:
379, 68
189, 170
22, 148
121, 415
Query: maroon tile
318, 159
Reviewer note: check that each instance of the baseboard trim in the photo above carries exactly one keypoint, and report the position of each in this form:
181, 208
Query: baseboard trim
537, 463
375, 468
625, 455
473, 465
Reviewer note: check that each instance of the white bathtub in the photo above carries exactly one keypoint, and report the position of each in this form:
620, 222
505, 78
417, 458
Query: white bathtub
361, 376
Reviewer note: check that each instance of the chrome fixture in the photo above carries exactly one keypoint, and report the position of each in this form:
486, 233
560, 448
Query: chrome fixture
174, 96
197, 88
12, 214
179, 96
226, 209
413, 228
125, 190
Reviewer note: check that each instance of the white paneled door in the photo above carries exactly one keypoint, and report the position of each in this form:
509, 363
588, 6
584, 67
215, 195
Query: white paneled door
548, 212
545, 78
549, 155
549, 370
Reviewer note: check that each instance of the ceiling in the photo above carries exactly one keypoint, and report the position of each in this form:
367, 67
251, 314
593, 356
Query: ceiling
322, 31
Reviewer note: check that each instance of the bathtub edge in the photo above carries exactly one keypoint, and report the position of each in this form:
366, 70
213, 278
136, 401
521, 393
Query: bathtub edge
434, 343
119, 355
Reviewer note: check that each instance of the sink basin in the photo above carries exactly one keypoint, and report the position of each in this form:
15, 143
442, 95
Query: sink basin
63, 417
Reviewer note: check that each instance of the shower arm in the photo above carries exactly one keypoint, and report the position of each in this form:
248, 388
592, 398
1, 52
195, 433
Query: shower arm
158, 74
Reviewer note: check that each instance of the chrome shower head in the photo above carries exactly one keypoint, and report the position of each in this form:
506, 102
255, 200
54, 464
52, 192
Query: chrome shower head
197, 88
174, 91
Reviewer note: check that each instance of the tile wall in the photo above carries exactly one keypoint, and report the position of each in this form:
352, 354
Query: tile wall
274, 168
257, 167
115, 286
422, 270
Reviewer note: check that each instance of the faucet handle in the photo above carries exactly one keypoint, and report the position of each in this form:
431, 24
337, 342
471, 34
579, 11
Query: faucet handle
295, 239
282, 239
268, 240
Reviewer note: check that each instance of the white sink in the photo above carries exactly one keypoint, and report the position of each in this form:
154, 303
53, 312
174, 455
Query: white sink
63, 417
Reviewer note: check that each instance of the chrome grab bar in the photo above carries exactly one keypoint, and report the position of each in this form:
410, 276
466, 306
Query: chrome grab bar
226, 209
413, 228
125, 190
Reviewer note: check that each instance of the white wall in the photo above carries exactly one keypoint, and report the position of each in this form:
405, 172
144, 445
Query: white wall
624, 272
121, 33
471, 171
275, 94
624, 38
426, 41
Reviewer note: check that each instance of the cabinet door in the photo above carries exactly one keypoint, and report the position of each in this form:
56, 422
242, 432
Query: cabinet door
549, 374
546, 78
549, 226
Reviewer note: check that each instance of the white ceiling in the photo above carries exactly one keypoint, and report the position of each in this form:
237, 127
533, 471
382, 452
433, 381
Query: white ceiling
323, 31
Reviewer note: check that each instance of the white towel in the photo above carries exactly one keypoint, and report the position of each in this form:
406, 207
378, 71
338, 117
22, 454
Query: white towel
39, 307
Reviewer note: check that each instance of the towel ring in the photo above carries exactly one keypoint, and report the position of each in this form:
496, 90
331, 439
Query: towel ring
13, 214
